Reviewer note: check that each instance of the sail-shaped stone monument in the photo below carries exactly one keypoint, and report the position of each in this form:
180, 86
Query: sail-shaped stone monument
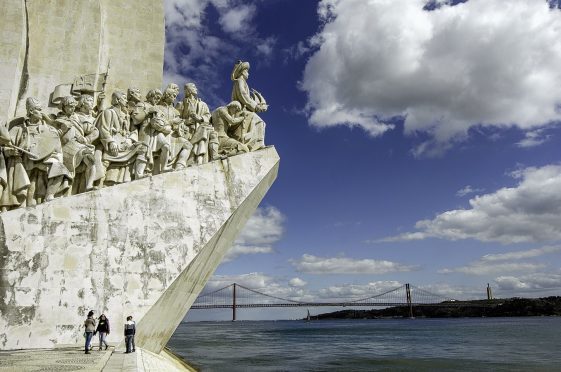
144, 247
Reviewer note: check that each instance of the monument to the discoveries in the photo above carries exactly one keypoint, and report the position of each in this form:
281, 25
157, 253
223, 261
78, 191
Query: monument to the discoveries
124, 203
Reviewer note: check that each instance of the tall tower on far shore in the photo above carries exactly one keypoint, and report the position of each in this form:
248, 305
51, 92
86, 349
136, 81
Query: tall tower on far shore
489, 292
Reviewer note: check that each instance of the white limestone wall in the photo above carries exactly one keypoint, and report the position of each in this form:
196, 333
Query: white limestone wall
44, 43
118, 250
12, 54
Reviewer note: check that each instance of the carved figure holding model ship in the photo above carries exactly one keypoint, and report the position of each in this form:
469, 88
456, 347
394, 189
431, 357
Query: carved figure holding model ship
252, 132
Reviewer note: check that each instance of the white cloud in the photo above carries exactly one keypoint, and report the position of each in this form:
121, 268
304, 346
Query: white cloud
533, 138
297, 282
518, 255
482, 62
252, 280
343, 265
454, 292
487, 268
467, 190
238, 19
266, 46
263, 229
501, 263
534, 281
528, 212
357, 291
262, 283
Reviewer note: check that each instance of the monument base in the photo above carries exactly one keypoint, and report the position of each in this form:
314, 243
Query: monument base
144, 248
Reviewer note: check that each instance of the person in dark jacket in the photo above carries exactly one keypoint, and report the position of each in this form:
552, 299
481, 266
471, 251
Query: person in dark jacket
103, 330
130, 330
89, 324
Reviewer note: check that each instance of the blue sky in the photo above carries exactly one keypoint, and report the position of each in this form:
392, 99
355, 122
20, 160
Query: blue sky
419, 143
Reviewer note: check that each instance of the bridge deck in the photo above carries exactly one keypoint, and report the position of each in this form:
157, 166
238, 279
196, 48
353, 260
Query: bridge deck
345, 304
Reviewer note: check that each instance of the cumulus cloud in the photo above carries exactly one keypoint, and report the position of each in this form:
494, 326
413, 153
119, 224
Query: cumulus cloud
442, 69
263, 229
297, 282
343, 265
528, 212
534, 281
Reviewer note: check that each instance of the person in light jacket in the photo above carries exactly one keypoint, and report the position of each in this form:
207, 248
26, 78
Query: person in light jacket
89, 324
130, 330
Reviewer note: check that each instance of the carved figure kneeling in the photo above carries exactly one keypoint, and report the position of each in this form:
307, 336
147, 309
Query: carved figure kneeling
225, 120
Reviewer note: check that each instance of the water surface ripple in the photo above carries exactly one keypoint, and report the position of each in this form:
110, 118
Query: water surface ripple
497, 344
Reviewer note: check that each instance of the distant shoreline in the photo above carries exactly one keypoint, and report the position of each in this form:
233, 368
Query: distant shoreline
511, 307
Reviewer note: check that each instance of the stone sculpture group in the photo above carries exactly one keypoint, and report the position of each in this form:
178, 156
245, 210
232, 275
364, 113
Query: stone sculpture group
85, 147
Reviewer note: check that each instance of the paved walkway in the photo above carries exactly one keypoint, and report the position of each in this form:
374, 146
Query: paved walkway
63, 359
74, 359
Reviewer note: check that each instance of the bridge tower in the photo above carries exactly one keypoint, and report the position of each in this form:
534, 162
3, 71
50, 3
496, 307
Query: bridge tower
409, 302
234, 303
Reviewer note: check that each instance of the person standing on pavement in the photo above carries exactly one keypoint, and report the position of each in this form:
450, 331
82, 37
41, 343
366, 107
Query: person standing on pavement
89, 324
103, 330
130, 330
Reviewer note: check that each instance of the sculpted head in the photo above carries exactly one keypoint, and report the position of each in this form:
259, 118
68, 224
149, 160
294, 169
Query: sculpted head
85, 104
190, 90
158, 119
154, 96
34, 109
119, 99
68, 105
173, 87
234, 107
133, 95
139, 112
241, 69
170, 94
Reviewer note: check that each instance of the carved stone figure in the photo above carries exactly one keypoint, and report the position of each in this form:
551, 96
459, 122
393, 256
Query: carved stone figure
174, 87
141, 118
35, 169
133, 97
197, 117
227, 119
78, 150
84, 146
167, 117
252, 132
86, 111
119, 146
154, 96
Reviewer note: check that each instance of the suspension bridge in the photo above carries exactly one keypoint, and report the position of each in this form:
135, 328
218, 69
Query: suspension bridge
236, 296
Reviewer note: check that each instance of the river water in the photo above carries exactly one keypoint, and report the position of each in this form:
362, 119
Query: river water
492, 344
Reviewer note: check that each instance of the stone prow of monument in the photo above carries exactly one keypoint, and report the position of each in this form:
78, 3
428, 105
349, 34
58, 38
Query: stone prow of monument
144, 248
